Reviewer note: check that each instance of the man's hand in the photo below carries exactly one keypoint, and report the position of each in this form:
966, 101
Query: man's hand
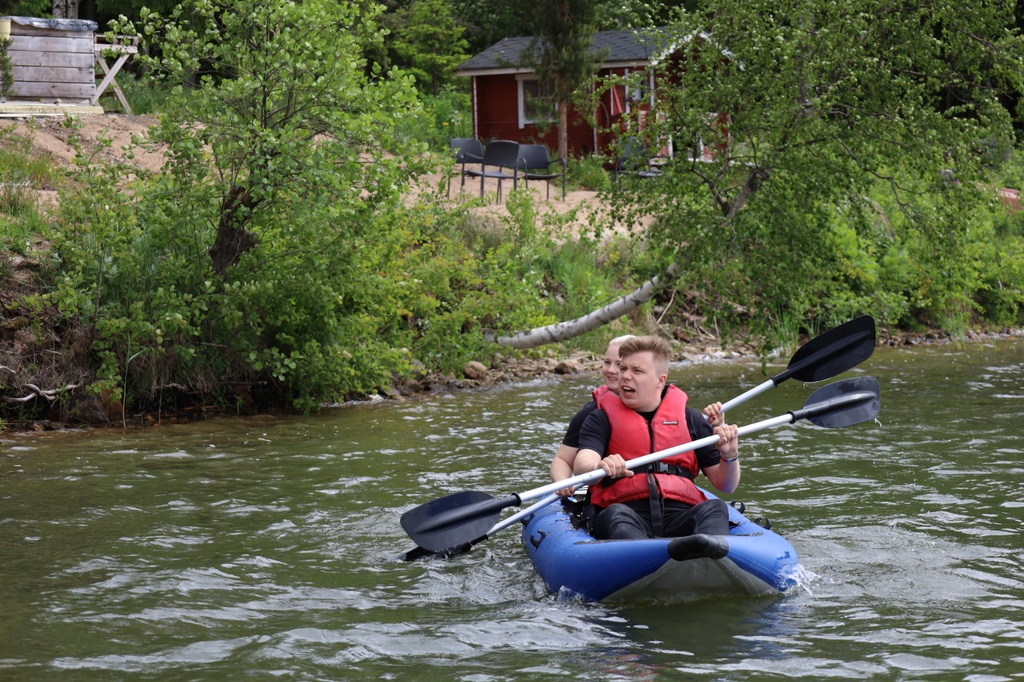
615, 466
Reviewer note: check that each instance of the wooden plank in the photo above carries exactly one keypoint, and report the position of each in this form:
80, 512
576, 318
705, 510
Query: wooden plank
11, 109
63, 60
49, 74
82, 42
62, 91
106, 49
26, 30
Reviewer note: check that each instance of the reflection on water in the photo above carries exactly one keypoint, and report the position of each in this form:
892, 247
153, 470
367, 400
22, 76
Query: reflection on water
266, 547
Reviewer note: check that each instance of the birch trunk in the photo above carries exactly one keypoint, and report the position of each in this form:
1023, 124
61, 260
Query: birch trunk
570, 329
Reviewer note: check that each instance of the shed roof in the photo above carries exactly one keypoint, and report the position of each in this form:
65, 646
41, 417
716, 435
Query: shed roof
619, 48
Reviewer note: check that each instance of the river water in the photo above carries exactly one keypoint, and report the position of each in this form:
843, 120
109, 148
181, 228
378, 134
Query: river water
266, 547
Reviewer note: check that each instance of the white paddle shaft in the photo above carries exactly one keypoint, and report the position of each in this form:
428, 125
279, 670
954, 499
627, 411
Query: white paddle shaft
598, 474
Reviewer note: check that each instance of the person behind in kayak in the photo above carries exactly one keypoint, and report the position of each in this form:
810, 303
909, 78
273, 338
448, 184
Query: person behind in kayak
648, 415
561, 465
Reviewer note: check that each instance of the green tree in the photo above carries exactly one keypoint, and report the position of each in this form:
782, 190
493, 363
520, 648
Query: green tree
272, 213
562, 54
429, 42
286, 104
821, 117
488, 21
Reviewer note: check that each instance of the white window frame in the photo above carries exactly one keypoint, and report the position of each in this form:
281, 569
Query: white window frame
521, 81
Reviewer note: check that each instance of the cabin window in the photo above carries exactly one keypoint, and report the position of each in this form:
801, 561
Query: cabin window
534, 106
639, 87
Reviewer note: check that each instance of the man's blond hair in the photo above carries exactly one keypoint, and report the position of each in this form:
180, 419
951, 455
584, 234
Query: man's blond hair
654, 345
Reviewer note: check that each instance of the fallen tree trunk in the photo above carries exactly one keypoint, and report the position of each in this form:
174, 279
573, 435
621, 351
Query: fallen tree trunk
570, 329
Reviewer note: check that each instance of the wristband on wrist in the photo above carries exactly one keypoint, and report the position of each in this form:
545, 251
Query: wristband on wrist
731, 459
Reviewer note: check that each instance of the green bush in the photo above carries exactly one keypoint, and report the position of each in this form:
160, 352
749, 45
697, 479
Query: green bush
144, 98
445, 116
589, 173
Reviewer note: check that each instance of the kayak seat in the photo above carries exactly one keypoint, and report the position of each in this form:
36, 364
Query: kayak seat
699, 546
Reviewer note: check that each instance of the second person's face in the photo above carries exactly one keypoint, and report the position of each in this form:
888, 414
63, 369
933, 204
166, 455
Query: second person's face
610, 368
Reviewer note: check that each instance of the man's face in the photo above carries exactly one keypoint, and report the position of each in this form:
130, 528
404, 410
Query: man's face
610, 369
640, 384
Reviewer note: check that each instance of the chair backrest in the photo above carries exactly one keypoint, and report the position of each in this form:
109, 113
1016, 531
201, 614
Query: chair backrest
503, 153
467, 149
633, 155
534, 157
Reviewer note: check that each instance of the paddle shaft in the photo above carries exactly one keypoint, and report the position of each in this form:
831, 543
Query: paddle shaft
757, 390
788, 418
522, 514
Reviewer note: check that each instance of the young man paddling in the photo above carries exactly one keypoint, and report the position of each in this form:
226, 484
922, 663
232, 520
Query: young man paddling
649, 415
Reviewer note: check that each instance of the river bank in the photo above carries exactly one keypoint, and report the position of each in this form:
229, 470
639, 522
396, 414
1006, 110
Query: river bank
475, 376
44, 368
705, 349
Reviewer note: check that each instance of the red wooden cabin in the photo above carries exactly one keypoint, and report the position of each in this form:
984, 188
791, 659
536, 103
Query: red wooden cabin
503, 89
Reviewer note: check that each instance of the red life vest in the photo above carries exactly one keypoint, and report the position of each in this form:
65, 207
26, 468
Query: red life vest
600, 392
633, 437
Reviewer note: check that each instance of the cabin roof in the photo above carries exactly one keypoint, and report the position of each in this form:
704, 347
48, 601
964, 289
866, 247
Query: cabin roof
619, 48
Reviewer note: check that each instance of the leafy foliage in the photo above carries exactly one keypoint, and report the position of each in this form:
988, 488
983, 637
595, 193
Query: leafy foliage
6, 67
852, 152
285, 138
561, 55
428, 42
281, 151
812, 114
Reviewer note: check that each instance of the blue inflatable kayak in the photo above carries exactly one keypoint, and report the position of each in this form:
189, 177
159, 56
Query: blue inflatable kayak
751, 560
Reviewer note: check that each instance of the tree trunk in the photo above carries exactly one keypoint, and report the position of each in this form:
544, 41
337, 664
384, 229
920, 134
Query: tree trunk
233, 239
573, 328
563, 130
64, 9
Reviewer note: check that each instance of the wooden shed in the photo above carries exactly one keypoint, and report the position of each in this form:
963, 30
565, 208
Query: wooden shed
53, 61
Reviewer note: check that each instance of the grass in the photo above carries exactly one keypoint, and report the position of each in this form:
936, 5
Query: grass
23, 173
144, 99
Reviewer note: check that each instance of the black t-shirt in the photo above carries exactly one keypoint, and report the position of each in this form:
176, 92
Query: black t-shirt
596, 432
572, 434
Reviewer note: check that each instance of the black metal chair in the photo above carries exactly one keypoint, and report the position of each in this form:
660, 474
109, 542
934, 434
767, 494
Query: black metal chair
502, 156
466, 150
536, 165
634, 160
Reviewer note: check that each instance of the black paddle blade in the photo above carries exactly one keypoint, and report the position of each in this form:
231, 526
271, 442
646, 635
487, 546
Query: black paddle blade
454, 520
843, 403
837, 350
417, 553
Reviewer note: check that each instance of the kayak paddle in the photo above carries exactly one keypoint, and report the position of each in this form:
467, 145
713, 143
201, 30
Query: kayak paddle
463, 517
419, 553
823, 357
